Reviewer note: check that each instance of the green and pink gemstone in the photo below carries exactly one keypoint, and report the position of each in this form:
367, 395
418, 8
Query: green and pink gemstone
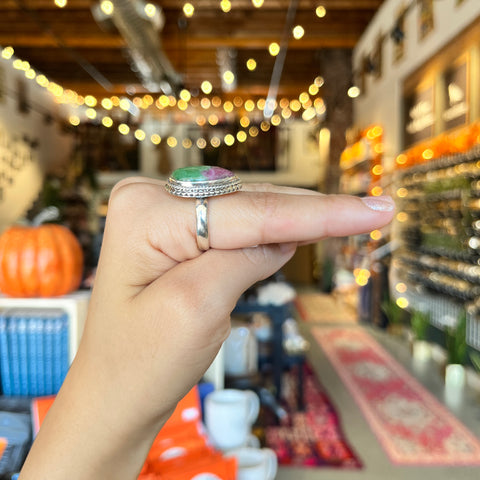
202, 181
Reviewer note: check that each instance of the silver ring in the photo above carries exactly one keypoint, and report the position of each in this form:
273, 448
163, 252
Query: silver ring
203, 242
202, 182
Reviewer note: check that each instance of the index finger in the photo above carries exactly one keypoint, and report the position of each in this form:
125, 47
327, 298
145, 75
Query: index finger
249, 218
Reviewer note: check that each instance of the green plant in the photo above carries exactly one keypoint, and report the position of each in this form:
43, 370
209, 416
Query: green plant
420, 322
456, 341
393, 312
475, 359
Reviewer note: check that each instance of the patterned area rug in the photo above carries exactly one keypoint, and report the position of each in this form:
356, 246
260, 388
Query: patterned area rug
312, 437
412, 425
323, 308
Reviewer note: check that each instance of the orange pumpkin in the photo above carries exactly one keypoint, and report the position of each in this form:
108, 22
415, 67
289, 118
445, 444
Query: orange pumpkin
41, 261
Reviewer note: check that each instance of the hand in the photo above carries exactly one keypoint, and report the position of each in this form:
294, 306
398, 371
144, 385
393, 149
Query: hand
160, 310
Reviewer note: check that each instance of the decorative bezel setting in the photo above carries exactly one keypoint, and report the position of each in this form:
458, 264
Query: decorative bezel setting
203, 188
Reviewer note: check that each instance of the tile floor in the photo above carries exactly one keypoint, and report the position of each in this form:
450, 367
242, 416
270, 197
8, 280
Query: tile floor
377, 466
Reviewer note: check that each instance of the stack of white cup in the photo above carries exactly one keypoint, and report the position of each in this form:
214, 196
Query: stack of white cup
229, 416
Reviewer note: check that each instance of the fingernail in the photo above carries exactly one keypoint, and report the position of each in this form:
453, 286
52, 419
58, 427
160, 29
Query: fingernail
380, 204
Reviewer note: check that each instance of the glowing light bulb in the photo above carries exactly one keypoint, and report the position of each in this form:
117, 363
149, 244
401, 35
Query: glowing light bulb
251, 64
353, 92
155, 139
74, 120
298, 32
188, 10
229, 77
123, 128
206, 87
107, 122
225, 5
320, 11
274, 49
7, 53
172, 142
106, 6
140, 135
150, 10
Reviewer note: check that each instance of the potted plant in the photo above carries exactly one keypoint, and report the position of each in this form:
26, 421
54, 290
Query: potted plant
473, 375
456, 345
420, 323
394, 315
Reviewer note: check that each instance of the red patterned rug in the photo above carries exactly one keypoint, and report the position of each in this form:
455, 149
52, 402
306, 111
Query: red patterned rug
412, 425
312, 437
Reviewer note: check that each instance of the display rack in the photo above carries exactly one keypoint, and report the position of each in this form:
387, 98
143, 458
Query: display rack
437, 268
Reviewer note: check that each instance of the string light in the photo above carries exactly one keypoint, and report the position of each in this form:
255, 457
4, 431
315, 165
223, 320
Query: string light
257, 3
402, 302
107, 122
155, 139
60, 3
150, 10
241, 136
225, 5
140, 135
106, 6
228, 77
7, 53
274, 49
353, 91
320, 11
91, 113
298, 32
188, 10
124, 129
172, 142
74, 120
187, 143
70, 97
376, 235
251, 64
229, 139
206, 87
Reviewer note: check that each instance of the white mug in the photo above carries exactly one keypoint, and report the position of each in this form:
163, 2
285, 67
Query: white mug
229, 416
255, 463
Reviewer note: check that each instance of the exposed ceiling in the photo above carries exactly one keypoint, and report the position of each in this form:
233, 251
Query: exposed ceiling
73, 49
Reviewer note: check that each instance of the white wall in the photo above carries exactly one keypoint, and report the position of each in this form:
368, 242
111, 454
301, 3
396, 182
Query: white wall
382, 102
21, 164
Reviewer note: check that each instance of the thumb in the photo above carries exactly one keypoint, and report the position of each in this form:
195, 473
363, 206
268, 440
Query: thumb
208, 286
191, 305
193, 301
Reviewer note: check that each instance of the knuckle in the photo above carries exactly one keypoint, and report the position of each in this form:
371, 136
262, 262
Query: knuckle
265, 207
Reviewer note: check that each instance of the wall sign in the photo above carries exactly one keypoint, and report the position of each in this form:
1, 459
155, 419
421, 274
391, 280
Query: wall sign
425, 20
419, 115
455, 93
20, 176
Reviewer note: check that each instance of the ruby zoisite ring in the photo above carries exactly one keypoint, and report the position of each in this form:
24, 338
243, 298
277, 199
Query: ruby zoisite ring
201, 182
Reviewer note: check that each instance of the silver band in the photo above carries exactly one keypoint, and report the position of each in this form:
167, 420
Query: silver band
201, 182
201, 215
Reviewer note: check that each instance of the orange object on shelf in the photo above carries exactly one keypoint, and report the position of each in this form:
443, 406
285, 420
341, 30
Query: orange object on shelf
3, 445
40, 407
39, 261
